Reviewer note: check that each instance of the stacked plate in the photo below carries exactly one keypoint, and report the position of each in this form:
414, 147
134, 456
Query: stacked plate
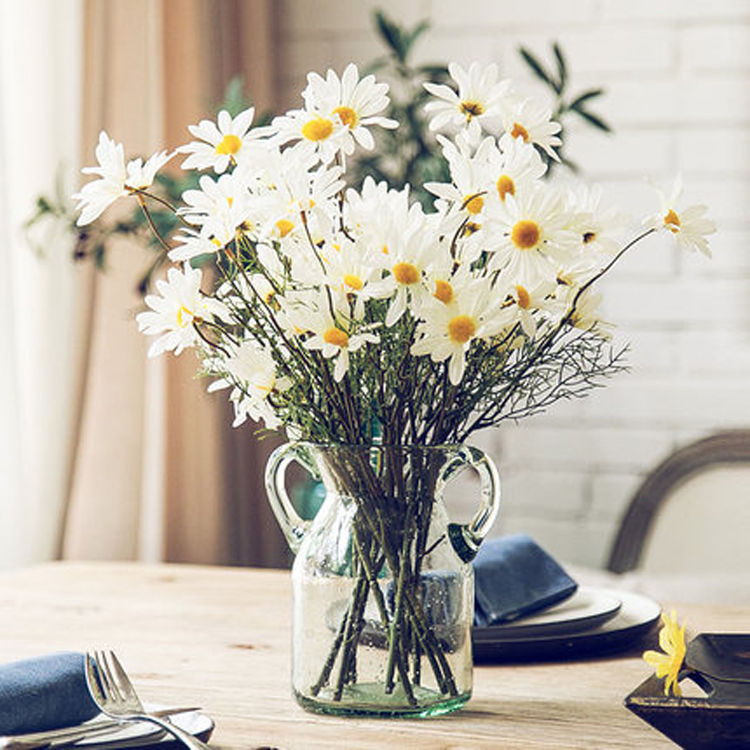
139, 734
592, 621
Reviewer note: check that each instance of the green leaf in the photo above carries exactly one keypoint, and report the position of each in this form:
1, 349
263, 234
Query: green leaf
538, 68
596, 121
562, 66
391, 34
234, 100
585, 97
415, 33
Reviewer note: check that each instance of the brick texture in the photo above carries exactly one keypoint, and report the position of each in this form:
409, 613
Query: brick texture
677, 75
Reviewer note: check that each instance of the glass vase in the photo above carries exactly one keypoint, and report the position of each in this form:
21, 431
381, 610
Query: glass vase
382, 581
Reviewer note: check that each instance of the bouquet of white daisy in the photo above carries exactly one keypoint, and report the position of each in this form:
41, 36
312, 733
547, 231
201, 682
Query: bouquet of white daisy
350, 316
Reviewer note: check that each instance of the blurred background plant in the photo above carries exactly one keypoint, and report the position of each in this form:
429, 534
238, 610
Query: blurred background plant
408, 154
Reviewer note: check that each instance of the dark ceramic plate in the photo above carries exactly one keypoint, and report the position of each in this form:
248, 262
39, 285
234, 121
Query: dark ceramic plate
635, 620
721, 719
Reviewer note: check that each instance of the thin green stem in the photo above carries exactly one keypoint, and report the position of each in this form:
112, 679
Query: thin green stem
151, 224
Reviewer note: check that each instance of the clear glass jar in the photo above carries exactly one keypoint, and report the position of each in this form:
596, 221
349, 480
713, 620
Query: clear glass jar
383, 586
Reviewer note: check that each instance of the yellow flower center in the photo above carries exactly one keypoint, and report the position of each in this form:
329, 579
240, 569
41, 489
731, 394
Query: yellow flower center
470, 227
588, 237
406, 273
284, 226
462, 328
525, 234
443, 291
471, 109
317, 129
265, 388
519, 130
386, 251
347, 116
505, 186
353, 281
474, 205
523, 297
672, 221
336, 336
230, 144
184, 316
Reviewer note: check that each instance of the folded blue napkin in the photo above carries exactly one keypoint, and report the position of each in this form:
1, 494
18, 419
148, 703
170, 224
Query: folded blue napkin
44, 693
513, 577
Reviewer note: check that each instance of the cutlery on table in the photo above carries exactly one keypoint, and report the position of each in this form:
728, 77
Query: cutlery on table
115, 695
67, 735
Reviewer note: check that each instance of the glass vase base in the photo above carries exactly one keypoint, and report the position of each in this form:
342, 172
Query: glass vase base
370, 699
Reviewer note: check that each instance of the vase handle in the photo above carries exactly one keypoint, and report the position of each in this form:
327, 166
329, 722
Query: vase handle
466, 537
292, 524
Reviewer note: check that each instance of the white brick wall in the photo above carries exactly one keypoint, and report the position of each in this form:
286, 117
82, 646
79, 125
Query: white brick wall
677, 74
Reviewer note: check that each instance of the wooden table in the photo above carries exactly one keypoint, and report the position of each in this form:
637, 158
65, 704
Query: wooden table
219, 637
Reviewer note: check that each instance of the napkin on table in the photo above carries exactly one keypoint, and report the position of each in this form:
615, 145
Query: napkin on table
513, 577
44, 693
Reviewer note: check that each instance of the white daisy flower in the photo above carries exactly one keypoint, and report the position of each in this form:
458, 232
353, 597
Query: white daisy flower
376, 215
333, 338
596, 226
222, 208
300, 202
445, 281
349, 273
354, 102
586, 313
410, 255
116, 179
227, 195
313, 133
528, 300
532, 122
191, 243
469, 177
251, 373
447, 331
514, 167
534, 239
478, 103
688, 225
228, 141
173, 312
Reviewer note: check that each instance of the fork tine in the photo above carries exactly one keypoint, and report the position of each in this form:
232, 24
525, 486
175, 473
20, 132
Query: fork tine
93, 679
123, 681
110, 687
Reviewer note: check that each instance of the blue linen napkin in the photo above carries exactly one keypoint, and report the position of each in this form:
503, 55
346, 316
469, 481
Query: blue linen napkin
513, 577
44, 693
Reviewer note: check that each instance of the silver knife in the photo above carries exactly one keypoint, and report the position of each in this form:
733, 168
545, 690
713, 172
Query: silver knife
68, 735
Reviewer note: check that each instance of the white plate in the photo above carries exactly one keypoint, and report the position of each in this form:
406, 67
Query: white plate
585, 609
141, 735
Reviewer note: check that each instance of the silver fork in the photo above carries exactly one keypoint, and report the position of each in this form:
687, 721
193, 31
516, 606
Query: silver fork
113, 692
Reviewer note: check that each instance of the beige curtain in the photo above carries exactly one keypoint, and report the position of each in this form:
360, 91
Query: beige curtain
122, 88
39, 143
152, 67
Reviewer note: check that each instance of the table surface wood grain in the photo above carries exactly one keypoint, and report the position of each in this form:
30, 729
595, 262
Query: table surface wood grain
219, 638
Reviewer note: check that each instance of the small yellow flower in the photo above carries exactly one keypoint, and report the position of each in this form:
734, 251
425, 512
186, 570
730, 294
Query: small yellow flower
672, 642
